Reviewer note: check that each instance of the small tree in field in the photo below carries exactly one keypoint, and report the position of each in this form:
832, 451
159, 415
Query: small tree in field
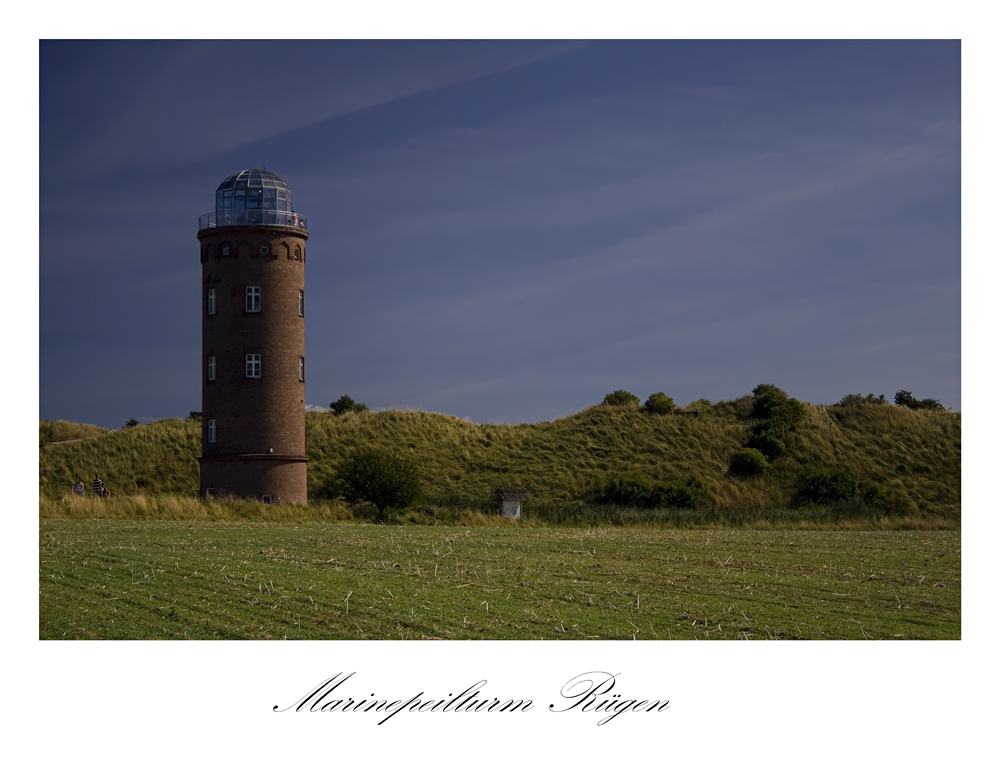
346, 405
382, 478
621, 398
660, 404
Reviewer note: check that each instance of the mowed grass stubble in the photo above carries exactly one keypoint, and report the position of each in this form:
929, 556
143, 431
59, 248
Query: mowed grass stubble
107, 579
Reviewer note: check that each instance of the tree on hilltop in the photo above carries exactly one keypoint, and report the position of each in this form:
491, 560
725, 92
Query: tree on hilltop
660, 404
346, 405
621, 398
906, 399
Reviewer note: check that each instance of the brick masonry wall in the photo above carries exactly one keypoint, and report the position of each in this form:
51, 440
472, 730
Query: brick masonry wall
284, 480
254, 415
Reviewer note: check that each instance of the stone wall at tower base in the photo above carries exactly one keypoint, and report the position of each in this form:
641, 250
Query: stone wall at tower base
280, 477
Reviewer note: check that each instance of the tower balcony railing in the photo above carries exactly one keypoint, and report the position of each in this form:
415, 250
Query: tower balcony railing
253, 218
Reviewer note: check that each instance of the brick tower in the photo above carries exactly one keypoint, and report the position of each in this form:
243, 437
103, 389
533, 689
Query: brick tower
253, 253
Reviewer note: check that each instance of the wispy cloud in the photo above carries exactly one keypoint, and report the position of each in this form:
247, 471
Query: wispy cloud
507, 231
208, 99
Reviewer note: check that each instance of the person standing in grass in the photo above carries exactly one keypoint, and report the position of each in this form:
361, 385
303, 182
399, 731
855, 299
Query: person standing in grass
78, 487
98, 486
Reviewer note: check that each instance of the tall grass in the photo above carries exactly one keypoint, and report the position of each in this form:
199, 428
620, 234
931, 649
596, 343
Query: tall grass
174, 507
915, 453
58, 432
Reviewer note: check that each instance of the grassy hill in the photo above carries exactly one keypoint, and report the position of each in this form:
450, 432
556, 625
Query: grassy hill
159, 458
59, 432
916, 454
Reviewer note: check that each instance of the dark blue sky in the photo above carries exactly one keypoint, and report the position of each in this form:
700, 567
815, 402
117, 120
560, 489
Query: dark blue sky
507, 231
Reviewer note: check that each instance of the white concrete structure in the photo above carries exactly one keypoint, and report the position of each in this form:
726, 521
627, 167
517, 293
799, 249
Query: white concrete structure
510, 502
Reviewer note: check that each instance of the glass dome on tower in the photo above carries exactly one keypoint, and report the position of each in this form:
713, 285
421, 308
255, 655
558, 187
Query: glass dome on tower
254, 197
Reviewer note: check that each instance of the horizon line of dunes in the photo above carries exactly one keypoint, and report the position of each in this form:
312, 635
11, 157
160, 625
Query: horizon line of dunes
580, 465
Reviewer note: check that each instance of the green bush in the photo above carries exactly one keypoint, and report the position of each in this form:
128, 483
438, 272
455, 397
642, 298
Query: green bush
748, 462
346, 405
626, 491
777, 416
739, 408
621, 398
381, 478
640, 492
906, 399
687, 494
776, 411
853, 400
767, 442
847, 492
660, 404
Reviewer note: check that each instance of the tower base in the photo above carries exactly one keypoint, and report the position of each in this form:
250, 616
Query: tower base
274, 478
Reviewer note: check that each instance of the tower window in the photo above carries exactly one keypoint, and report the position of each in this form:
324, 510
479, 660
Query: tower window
298, 253
211, 302
302, 303
302, 369
265, 499
211, 430
265, 250
253, 366
225, 251
253, 299
211, 367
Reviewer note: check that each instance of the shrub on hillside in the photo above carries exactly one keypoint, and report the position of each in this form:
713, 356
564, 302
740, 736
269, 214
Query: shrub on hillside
748, 462
688, 494
621, 398
847, 492
853, 400
740, 408
637, 491
626, 491
346, 405
767, 442
906, 399
660, 404
777, 416
382, 478
776, 411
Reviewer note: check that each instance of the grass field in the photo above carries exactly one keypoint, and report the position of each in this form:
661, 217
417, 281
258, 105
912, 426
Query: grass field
161, 579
